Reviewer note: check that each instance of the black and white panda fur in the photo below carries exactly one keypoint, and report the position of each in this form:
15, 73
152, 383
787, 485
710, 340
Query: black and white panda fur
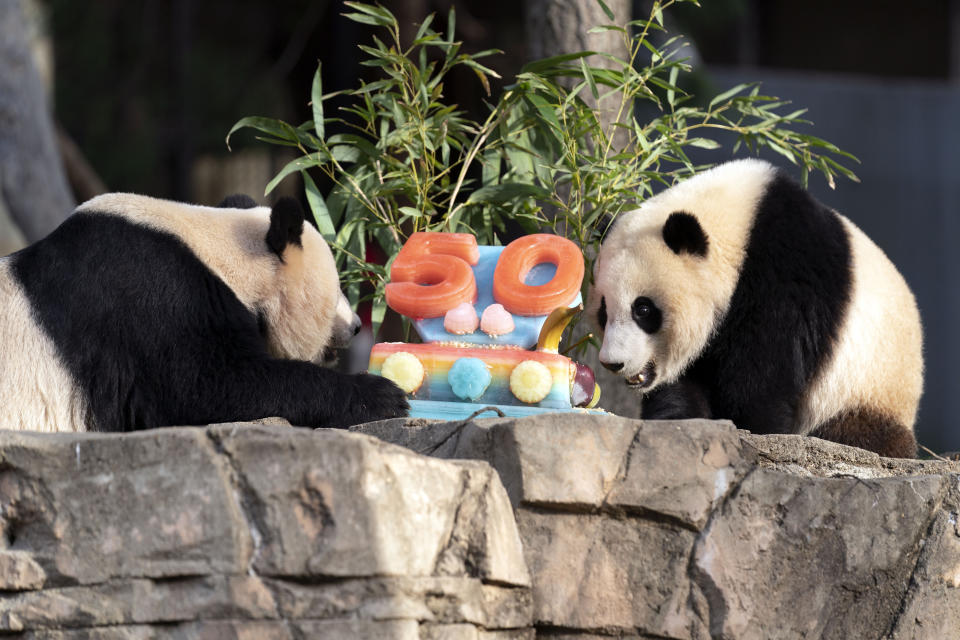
139, 313
736, 295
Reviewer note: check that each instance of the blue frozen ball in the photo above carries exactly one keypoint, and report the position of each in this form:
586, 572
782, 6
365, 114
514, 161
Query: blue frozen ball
469, 378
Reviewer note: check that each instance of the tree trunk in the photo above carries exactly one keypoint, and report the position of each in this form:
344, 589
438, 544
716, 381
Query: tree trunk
556, 27
32, 182
560, 26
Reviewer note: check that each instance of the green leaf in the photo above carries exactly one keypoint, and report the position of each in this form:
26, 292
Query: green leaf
730, 93
378, 310
422, 31
606, 27
546, 113
671, 93
276, 128
372, 10
588, 76
544, 64
345, 153
376, 21
361, 143
410, 211
606, 10
703, 143
316, 99
786, 153
501, 193
319, 208
293, 166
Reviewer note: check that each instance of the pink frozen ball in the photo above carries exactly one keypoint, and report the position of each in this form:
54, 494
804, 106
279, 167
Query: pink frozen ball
496, 321
461, 320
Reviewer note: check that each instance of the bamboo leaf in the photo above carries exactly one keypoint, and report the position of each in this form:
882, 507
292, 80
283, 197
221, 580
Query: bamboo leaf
363, 18
319, 208
606, 10
542, 65
589, 77
411, 212
316, 99
606, 27
730, 93
671, 92
703, 143
372, 10
378, 310
500, 193
422, 31
276, 128
299, 164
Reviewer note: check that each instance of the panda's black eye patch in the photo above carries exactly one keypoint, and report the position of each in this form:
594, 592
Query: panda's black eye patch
602, 313
646, 314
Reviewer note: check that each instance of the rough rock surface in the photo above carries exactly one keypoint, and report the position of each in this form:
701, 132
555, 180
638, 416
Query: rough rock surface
243, 531
618, 528
694, 529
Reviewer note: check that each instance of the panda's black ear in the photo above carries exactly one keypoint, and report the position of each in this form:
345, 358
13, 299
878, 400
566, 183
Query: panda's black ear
286, 225
683, 234
237, 201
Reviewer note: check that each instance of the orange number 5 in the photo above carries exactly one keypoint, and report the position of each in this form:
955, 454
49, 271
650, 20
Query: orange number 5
432, 274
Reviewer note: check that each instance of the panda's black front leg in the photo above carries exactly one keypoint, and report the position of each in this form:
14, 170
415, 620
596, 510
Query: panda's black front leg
305, 394
375, 398
681, 400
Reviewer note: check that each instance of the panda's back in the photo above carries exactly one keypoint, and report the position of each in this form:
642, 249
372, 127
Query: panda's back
877, 361
36, 390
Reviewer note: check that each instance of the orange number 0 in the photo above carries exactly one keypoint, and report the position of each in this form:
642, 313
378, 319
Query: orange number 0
432, 274
523, 254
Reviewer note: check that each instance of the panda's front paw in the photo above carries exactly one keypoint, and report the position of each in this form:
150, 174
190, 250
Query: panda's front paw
376, 398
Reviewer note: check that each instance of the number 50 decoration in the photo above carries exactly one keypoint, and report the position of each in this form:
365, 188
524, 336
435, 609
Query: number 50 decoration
432, 274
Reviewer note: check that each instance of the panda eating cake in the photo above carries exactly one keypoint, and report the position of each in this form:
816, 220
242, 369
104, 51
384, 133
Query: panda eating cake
138, 313
491, 319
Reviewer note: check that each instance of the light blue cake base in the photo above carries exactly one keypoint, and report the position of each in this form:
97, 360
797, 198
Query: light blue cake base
438, 410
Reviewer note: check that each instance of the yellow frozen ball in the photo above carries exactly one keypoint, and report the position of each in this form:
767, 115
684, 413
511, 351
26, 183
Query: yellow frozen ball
405, 369
530, 381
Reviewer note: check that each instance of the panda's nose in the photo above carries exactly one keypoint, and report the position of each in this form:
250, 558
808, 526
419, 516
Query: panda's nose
356, 325
612, 366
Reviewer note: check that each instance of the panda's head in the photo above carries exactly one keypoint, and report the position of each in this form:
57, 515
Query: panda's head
280, 268
306, 311
666, 272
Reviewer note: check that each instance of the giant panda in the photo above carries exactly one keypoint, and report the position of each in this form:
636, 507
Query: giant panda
138, 312
735, 294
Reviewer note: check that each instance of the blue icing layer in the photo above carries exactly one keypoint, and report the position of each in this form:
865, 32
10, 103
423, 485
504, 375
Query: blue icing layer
469, 378
462, 410
526, 329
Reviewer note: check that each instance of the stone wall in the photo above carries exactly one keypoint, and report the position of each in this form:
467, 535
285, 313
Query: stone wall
253, 532
573, 527
694, 529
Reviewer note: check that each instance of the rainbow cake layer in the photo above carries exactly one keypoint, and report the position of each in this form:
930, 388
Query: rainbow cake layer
437, 361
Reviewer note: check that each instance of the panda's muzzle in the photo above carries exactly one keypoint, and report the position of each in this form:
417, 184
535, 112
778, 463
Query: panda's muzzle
644, 378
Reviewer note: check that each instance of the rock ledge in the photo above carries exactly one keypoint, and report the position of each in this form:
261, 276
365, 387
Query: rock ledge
693, 529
